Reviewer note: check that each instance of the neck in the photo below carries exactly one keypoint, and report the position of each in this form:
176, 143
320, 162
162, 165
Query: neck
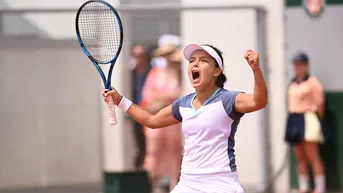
301, 77
204, 95
140, 69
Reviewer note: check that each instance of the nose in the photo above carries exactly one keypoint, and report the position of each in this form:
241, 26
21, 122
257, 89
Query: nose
196, 63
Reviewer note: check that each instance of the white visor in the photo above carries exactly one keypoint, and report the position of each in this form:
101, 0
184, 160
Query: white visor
191, 48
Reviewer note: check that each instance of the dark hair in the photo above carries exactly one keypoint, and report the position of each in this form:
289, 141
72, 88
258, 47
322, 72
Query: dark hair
221, 79
301, 57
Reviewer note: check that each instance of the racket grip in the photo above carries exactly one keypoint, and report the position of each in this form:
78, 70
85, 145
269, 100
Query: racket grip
111, 112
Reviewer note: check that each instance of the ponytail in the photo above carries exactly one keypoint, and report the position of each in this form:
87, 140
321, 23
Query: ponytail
221, 79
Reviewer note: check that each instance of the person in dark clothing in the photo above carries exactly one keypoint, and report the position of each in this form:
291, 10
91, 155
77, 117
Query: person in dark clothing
139, 73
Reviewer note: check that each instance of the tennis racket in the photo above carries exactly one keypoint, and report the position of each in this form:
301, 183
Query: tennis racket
99, 31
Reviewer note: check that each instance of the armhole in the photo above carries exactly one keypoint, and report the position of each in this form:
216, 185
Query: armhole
234, 114
176, 109
229, 105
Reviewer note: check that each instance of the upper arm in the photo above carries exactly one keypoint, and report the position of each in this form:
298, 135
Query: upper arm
167, 116
317, 90
245, 103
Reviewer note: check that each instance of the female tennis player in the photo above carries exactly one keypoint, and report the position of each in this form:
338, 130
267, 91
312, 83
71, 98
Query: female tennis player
209, 117
304, 131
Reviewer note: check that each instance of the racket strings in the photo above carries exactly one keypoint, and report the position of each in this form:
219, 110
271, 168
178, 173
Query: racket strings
100, 31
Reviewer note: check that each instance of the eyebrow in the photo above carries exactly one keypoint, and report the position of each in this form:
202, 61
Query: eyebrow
202, 57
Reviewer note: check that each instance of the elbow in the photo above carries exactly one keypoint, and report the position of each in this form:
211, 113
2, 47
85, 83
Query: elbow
150, 126
147, 123
264, 105
150, 123
261, 103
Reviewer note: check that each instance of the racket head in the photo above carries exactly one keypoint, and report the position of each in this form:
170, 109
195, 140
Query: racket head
99, 31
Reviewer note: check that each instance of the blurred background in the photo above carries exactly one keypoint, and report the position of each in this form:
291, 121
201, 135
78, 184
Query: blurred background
54, 132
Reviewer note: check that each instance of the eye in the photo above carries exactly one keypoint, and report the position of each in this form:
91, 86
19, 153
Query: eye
191, 61
204, 61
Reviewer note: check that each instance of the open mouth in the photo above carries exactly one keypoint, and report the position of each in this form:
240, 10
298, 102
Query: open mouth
195, 75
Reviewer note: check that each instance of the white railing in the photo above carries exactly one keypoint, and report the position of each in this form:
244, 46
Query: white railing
135, 8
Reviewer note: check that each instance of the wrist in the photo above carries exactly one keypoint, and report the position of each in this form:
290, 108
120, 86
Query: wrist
124, 104
256, 68
120, 99
257, 71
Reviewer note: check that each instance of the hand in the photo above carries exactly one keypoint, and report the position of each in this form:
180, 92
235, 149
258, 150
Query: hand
252, 58
116, 97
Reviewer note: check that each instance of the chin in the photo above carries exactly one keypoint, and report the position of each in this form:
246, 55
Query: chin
197, 86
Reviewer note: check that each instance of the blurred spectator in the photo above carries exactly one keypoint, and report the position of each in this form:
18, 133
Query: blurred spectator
169, 39
166, 39
304, 130
141, 61
164, 145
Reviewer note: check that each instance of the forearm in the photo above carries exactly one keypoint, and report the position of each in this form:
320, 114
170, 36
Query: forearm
321, 111
161, 119
164, 117
321, 105
140, 115
320, 101
260, 89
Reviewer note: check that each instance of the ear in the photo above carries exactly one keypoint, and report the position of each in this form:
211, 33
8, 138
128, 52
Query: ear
217, 72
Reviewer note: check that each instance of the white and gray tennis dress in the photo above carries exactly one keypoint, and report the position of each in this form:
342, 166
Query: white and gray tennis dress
209, 164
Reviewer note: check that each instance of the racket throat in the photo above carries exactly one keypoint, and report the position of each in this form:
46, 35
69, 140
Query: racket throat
108, 86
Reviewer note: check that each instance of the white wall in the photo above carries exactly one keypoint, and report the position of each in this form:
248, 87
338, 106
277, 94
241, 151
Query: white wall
52, 25
50, 116
321, 39
231, 35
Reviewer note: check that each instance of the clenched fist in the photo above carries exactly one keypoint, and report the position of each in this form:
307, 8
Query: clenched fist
252, 58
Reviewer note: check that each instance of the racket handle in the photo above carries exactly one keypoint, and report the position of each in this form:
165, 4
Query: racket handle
111, 112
